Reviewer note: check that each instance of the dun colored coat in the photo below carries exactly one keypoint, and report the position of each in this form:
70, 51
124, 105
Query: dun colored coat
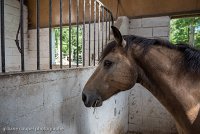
170, 72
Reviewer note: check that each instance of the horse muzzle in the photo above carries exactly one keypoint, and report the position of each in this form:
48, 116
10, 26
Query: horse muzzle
91, 99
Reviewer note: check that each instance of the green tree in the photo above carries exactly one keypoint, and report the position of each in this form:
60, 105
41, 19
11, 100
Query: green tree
65, 42
182, 29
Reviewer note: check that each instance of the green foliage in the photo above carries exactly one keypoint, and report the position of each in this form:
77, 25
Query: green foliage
65, 42
180, 30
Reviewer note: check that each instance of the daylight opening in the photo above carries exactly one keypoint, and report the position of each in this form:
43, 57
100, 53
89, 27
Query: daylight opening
65, 46
185, 30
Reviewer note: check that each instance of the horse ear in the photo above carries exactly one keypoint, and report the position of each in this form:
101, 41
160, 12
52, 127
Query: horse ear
118, 37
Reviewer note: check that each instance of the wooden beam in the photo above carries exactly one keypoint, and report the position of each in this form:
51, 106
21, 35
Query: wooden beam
129, 8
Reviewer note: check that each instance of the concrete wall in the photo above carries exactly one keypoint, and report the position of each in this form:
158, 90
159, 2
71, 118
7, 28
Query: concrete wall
146, 114
12, 16
53, 99
155, 27
44, 49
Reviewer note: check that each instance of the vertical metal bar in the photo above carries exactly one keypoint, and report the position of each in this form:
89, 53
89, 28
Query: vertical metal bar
50, 34
38, 32
109, 27
70, 28
89, 29
60, 33
99, 29
22, 33
112, 19
106, 27
2, 37
102, 28
94, 30
83, 32
77, 32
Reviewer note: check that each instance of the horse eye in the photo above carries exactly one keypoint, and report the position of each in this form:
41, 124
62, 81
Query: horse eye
107, 63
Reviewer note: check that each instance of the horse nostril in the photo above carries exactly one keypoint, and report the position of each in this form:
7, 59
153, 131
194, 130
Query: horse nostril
84, 97
91, 99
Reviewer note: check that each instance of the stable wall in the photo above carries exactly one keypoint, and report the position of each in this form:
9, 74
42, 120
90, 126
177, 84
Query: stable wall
12, 17
53, 99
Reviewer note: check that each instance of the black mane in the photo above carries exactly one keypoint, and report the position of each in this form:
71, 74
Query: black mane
191, 58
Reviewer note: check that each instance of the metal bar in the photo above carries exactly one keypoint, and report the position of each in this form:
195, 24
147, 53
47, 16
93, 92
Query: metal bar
89, 29
99, 29
22, 33
106, 27
102, 28
60, 33
112, 19
50, 34
94, 30
83, 32
38, 32
109, 27
70, 27
77, 32
2, 37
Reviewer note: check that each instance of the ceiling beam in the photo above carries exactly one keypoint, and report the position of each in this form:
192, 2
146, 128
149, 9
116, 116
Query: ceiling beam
129, 8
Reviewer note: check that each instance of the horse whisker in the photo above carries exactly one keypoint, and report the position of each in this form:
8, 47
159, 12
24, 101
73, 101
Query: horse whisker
95, 104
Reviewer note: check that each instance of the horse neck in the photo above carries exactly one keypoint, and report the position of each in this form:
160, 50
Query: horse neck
160, 71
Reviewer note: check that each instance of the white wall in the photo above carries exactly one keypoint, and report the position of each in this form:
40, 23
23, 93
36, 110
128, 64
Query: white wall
53, 99
44, 49
12, 16
146, 114
154, 27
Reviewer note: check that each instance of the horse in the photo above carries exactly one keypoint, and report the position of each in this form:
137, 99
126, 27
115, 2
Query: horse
170, 72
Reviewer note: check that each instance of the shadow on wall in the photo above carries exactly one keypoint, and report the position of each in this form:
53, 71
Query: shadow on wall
111, 118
